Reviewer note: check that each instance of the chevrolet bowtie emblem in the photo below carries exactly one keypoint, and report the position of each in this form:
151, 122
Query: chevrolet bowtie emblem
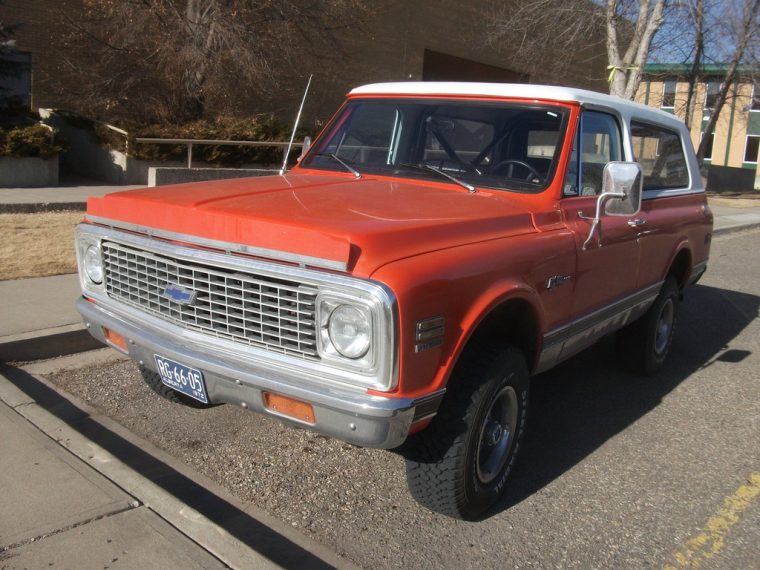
178, 294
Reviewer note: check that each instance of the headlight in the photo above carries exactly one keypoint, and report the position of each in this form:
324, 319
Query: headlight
93, 265
350, 330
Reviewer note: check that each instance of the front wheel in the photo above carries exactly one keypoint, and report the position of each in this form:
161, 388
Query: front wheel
460, 464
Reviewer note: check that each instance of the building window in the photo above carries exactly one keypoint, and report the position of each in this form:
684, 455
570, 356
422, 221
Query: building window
750, 149
711, 94
668, 95
755, 106
709, 147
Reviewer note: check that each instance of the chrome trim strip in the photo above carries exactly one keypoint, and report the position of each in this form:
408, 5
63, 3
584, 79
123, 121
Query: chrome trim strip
301, 260
567, 340
383, 377
665, 193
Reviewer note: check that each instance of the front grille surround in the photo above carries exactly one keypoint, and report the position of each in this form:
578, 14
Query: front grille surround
295, 353
273, 314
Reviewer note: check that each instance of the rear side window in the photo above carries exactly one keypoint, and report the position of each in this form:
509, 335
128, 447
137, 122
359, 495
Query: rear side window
660, 153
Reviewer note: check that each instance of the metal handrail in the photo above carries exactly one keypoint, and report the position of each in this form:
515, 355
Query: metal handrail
190, 142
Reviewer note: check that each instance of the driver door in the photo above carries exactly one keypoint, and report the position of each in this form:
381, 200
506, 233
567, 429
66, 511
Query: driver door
607, 267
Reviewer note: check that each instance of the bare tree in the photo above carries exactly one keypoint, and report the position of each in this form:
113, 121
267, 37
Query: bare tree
575, 29
626, 62
547, 38
174, 57
696, 12
743, 27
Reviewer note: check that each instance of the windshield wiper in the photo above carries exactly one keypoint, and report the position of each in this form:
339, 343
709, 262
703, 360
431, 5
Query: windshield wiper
463, 184
343, 163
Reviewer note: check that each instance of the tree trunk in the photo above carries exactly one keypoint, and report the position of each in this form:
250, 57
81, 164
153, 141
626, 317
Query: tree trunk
748, 28
626, 70
699, 45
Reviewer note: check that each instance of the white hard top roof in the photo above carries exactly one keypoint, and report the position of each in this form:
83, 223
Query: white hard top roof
515, 90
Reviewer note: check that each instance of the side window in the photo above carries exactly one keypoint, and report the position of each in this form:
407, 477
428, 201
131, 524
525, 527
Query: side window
599, 141
660, 153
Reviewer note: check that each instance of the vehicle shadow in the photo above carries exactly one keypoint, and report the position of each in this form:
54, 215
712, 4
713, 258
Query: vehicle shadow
582, 403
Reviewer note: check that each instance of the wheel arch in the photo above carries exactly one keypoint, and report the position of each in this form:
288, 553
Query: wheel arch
514, 319
680, 266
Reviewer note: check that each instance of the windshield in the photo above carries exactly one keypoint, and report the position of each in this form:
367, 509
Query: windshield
491, 144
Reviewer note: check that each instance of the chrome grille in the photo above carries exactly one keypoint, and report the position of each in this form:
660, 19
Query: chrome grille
258, 310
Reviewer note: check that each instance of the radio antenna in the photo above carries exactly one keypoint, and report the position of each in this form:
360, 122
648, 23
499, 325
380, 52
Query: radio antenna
295, 127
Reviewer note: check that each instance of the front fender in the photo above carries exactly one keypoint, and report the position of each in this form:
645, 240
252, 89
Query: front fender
462, 285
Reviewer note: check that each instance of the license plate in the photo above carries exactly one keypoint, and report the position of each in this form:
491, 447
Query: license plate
182, 378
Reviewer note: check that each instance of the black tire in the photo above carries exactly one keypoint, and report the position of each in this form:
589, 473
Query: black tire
153, 380
459, 465
644, 344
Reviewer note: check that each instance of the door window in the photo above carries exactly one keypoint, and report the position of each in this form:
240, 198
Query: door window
599, 141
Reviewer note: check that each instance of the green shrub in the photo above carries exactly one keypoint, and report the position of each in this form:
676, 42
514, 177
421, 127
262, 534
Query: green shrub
259, 128
32, 141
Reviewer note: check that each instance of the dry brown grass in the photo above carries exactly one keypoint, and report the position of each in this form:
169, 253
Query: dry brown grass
35, 245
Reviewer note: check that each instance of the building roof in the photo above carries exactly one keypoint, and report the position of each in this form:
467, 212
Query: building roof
705, 70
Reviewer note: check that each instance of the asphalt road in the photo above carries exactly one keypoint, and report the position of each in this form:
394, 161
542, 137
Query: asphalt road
616, 471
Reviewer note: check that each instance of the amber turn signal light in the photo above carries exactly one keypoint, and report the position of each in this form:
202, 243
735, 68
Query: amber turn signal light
116, 340
289, 407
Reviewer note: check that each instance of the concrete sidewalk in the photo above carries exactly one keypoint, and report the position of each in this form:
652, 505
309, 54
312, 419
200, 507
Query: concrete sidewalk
58, 511
81, 491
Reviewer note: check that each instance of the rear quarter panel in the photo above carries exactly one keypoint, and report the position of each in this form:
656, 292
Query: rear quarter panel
673, 223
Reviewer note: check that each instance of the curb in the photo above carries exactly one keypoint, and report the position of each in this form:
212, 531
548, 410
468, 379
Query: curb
36, 208
735, 229
47, 343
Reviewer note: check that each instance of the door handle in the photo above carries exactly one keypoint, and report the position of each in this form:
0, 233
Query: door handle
636, 222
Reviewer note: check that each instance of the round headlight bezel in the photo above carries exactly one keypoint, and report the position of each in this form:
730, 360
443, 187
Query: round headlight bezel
357, 344
92, 263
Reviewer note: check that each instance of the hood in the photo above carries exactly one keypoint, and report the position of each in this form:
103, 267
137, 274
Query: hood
360, 224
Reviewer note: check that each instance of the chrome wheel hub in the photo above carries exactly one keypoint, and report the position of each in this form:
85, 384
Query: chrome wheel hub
664, 327
495, 442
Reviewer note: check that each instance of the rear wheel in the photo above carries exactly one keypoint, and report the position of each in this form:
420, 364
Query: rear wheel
459, 465
645, 344
153, 380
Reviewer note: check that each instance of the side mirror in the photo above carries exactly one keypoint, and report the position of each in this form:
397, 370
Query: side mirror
623, 181
621, 195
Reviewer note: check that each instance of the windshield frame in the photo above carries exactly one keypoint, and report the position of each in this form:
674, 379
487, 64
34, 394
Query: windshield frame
560, 110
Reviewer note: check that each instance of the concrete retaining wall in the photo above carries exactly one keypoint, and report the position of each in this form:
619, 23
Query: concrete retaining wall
730, 179
28, 172
160, 176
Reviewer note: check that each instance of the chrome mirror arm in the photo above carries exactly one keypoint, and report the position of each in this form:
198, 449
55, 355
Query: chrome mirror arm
597, 216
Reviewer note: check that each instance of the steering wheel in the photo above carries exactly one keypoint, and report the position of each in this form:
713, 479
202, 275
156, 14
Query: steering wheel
512, 163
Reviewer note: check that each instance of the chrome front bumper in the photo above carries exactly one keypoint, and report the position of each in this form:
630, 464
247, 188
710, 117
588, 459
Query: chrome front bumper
342, 413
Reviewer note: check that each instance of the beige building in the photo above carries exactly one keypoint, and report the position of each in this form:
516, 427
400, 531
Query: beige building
735, 140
